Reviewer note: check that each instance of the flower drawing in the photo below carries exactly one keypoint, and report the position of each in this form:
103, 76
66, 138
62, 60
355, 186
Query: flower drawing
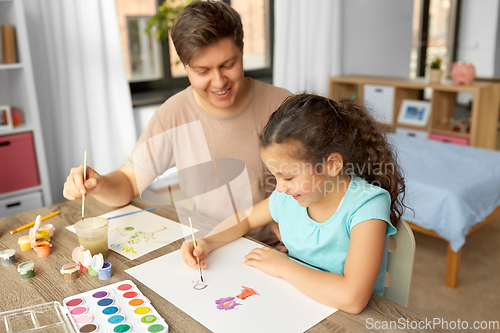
226, 303
246, 292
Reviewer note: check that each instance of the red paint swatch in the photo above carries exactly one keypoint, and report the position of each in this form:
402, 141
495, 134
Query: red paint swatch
74, 302
124, 287
130, 294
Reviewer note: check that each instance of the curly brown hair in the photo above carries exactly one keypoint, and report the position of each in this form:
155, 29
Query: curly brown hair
324, 127
204, 23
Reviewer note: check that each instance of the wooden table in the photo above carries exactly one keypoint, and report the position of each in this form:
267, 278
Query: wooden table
48, 284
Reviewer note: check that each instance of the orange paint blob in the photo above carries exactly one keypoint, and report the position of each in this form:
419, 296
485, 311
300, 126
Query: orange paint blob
136, 302
246, 292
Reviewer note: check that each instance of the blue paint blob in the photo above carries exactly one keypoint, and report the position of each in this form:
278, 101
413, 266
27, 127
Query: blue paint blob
116, 319
110, 310
105, 302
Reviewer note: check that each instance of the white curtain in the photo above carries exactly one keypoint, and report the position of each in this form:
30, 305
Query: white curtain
82, 89
307, 44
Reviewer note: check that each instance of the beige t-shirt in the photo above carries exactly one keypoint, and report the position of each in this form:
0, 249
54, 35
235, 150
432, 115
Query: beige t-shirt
218, 157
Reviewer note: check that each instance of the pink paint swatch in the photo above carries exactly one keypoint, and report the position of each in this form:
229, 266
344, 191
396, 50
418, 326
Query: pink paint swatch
78, 311
83, 319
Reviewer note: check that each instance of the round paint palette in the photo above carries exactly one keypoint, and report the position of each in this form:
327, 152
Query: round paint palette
136, 302
105, 302
88, 328
78, 310
119, 307
100, 294
110, 310
130, 294
74, 302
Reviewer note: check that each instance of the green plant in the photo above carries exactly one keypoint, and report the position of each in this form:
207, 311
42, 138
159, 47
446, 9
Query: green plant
436, 63
162, 22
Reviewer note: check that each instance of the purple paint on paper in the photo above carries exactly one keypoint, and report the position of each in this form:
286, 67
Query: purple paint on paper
227, 303
100, 294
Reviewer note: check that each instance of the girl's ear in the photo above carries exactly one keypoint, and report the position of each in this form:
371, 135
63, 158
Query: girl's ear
335, 162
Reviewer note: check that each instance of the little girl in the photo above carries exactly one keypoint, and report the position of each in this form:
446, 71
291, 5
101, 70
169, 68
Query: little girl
338, 197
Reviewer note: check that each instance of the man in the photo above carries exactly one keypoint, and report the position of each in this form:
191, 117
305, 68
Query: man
215, 120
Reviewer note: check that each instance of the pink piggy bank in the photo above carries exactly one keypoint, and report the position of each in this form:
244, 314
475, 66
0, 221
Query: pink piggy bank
463, 73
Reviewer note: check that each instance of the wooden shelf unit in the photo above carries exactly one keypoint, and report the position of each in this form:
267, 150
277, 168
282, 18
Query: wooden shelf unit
484, 113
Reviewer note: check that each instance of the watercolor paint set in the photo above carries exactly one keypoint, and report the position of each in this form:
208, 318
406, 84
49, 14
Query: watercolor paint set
119, 307
116, 308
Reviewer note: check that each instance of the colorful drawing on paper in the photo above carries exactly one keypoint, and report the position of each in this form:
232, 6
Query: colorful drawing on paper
198, 285
229, 303
135, 235
134, 238
226, 303
246, 292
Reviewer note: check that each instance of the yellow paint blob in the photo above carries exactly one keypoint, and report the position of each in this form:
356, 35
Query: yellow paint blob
142, 310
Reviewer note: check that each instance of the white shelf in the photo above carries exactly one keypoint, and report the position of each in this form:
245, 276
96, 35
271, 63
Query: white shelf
20, 192
16, 130
17, 89
10, 66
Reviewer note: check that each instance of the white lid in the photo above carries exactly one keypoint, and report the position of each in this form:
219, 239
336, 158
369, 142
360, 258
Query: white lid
69, 268
25, 266
24, 240
34, 230
97, 262
77, 252
7, 253
85, 258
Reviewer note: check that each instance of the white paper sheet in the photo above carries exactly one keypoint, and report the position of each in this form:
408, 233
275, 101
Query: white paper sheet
138, 234
279, 307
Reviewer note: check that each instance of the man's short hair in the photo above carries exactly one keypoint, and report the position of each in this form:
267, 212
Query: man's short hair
204, 23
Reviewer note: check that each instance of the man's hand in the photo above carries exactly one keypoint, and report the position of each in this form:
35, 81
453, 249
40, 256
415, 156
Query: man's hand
75, 186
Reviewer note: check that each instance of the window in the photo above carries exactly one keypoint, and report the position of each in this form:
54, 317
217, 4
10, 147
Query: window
144, 55
154, 67
435, 34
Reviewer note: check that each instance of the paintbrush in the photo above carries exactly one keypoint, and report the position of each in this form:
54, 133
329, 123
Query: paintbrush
32, 223
194, 242
84, 179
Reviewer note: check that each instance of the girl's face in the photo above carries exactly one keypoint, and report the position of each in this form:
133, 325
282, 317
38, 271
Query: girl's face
217, 78
304, 181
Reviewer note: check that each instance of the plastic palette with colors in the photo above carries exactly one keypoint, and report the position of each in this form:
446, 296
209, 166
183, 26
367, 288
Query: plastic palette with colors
116, 308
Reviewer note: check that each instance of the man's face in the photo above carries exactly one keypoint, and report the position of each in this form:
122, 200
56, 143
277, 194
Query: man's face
217, 77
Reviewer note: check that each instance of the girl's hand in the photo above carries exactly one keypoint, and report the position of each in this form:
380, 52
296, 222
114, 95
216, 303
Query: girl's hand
267, 260
75, 187
189, 253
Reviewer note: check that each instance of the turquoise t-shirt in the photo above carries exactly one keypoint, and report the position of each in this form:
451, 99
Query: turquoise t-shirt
325, 245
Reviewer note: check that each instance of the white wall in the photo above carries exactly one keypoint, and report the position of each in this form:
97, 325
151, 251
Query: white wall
377, 37
478, 36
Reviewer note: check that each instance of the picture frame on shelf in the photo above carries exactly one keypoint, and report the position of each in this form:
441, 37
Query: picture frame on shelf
6, 117
414, 112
